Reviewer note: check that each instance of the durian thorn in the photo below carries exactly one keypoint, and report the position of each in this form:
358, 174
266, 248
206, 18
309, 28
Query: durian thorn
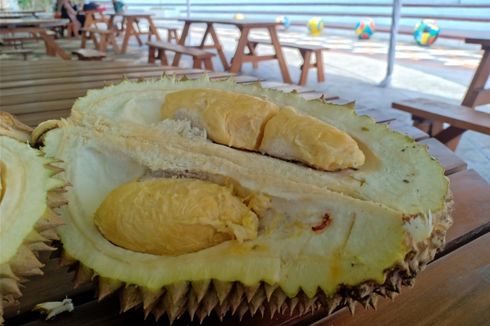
56, 199
351, 304
107, 286
49, 220
82, 275
55, 169
9, 286
66, 259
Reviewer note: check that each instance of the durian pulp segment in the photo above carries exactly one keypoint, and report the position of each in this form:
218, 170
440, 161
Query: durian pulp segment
362, 240
164, 216
292, 136
25, 184
230, 118
398, 172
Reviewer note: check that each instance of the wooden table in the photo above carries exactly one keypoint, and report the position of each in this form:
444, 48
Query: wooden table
36, 27
131, 25
240, 57
455, 288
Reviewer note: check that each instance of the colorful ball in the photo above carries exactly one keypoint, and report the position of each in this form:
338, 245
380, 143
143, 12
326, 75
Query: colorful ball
239, 16
316, 25
284, 21
365, 28
426, 32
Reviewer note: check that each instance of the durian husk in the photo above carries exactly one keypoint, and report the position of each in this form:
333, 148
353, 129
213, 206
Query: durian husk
202, 298
25, 263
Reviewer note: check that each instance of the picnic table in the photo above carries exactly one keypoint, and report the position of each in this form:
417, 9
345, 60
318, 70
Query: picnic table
36, 27
460, 117
240, 57
130, 23
455, 288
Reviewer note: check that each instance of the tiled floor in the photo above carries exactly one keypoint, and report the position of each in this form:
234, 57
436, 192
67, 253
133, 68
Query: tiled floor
353, 70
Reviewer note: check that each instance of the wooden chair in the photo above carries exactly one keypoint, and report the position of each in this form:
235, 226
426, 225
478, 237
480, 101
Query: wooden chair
307, 51
201, 58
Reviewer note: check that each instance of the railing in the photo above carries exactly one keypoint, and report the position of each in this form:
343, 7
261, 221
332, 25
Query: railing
465, 15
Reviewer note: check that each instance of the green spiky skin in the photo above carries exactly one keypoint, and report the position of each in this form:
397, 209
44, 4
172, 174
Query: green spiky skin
201, 297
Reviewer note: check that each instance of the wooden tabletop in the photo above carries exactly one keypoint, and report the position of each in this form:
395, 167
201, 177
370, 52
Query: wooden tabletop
455, 288
483, 41
236, 22
131, 14
26, 22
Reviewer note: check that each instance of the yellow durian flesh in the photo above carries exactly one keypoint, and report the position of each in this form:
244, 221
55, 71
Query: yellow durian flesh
293, 136
173, 216
229, 118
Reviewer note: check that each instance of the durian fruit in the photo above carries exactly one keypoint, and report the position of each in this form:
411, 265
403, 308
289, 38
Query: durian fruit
28, 193
180, 221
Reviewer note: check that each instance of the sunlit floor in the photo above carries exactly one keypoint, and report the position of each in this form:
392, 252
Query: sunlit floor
353, 70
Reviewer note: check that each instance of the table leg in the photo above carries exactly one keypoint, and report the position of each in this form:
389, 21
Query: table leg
151, 54
127, 35
279, 55
320, 72
52, 48
236, 63
183, 37
305, 67
219, 48
153, 30
479, 80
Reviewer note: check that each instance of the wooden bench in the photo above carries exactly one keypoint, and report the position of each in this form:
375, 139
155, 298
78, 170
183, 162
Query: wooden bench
171, 33
106, 36
306, 50
429, 115
201, 58
89, 55
23, 52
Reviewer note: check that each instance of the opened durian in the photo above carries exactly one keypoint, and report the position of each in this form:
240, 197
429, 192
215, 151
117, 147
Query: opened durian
198, 196
28, 193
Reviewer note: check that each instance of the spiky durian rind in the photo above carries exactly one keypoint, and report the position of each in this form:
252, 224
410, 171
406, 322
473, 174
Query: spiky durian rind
25, 263
200, 299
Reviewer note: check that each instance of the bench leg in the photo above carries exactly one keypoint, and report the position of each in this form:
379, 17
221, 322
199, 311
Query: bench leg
103, 43
84, 40
208, 64
251, 48
319, 66
151, 54
113, 42
163, 57
305, 67
197, 63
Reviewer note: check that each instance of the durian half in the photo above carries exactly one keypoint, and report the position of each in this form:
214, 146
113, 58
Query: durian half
278, 230
28, 194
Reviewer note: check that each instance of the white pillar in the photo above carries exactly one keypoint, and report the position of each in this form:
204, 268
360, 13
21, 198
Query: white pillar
395, 18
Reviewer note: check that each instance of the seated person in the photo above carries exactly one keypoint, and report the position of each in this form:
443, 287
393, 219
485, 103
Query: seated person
70, 11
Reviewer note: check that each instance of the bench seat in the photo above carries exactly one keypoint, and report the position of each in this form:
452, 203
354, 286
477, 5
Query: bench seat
461, 118
156, 50
306, 51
